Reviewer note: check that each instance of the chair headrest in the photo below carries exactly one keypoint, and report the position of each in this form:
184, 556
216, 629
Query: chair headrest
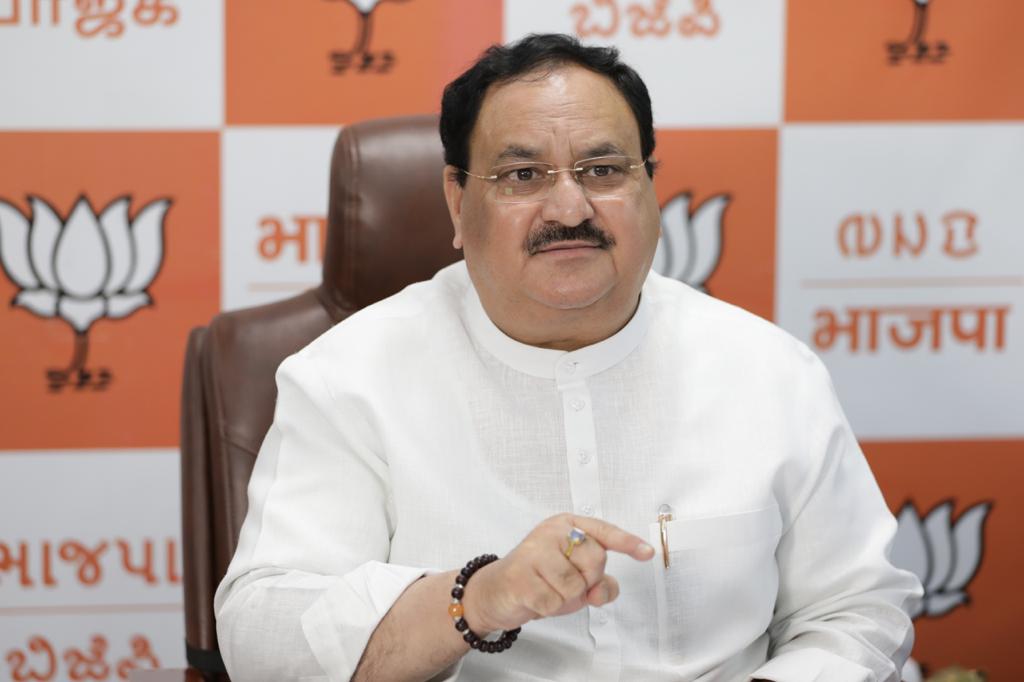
388, 224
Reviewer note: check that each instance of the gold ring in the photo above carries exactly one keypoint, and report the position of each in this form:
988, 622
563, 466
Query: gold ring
576, 537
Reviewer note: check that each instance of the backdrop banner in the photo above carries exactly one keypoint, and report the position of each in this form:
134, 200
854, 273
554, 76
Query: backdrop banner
849, 169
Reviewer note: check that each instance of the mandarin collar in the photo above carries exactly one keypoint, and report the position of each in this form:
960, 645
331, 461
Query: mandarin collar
563, 366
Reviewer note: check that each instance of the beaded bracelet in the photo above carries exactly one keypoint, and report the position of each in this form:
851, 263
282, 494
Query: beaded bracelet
455, 610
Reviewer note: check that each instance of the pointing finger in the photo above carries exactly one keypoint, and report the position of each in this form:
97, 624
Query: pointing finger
614, 538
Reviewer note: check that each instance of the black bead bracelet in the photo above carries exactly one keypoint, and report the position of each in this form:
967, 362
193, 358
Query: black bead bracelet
455, 610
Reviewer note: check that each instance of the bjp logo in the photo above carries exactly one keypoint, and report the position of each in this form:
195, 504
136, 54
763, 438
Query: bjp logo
915, 48
82, 269
691, 240
943, 554
360, 57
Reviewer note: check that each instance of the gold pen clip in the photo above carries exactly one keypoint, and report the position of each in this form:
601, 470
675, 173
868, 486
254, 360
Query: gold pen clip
664, 516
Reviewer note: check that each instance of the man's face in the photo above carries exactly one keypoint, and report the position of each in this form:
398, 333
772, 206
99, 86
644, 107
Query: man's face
559, 117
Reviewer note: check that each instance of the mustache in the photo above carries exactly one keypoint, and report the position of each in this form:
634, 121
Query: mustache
552, 233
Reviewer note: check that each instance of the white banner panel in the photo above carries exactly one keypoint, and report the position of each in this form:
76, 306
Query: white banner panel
111, 65
274, 206
93, 645
901, 262
706, 64
90, 563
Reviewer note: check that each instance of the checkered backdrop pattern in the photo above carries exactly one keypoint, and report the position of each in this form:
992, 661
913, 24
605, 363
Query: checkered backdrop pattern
849, 169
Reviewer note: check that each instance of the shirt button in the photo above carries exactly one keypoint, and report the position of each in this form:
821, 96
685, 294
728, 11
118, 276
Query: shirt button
569, 368
587, 510
601, 617
577, 404
584, 456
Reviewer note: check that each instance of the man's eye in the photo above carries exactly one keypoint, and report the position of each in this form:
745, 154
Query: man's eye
602, 171
527, 174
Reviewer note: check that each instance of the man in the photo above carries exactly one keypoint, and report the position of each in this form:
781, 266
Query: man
669, 481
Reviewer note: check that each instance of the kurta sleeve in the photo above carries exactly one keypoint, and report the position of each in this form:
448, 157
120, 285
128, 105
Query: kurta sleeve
310, 581
842, 608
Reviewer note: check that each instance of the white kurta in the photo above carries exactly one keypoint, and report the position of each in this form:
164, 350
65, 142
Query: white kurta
416, 435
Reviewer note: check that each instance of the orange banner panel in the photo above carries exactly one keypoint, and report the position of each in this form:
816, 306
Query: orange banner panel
967, 497
869, 60
330, 62
730, 173
111, 254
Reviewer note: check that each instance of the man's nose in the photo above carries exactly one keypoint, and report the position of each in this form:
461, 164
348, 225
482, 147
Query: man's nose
566, 203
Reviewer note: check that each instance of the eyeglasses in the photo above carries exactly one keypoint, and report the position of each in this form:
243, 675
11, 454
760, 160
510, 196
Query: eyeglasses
602, 176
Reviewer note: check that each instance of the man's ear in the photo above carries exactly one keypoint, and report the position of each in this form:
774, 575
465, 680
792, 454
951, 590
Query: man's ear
453, 193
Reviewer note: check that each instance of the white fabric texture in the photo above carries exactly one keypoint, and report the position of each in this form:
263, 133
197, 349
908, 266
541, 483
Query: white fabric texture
416, 435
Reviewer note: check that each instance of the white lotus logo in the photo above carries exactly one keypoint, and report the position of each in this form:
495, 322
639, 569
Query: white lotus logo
691, 242
915, 46
943, 554
377, 62
82, 269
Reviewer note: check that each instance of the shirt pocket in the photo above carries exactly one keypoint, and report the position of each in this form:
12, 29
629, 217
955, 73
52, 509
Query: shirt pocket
717, 594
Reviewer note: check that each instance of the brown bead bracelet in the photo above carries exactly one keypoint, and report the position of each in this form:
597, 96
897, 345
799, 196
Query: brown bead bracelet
455, 610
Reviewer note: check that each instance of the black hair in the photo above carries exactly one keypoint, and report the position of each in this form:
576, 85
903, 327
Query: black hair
463, 97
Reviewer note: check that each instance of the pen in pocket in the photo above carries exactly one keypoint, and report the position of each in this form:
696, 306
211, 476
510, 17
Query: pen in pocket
664, 516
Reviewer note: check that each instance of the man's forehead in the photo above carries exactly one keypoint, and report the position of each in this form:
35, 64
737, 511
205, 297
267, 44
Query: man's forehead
533, 117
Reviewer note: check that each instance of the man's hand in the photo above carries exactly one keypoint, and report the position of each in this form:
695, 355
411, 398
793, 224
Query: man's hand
536, 579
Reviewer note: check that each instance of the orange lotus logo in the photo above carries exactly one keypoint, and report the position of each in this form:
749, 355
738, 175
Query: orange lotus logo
82, 269
360, 57
691, 240
916, 48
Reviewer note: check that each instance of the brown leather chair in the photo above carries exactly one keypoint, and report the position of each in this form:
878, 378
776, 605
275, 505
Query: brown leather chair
387, 227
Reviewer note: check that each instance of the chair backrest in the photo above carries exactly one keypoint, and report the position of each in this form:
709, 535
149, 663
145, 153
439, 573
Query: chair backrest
388, 227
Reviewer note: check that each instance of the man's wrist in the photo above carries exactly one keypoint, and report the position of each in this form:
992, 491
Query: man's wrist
472, 602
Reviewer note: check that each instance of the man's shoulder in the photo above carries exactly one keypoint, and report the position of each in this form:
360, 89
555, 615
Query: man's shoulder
719, 327
407, 318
